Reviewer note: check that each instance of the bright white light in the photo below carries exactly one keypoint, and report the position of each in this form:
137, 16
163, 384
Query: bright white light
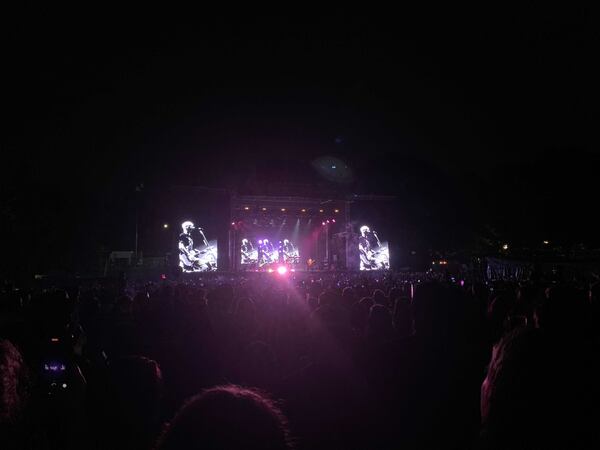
165, 226
64, 385
282, 270
505, 247
546, 242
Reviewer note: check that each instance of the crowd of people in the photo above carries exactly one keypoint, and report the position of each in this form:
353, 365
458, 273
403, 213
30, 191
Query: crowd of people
306, 361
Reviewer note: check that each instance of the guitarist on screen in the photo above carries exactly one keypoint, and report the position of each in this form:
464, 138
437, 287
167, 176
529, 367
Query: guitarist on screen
289, 252
190, 258
367, 261
188, 261
246, 249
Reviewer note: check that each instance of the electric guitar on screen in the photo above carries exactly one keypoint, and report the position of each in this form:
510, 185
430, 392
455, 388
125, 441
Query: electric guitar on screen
196, 260
367, 257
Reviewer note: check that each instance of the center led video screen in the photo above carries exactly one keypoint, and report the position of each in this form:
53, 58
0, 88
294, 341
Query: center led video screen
264, 252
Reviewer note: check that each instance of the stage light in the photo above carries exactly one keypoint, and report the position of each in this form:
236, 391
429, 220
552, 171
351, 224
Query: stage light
333, 220
323, 223
546, 242
505, 247
327, 220
320, 210
303, 210
336, 210
264, 209
269, 270
232, 223
165, 226
282, 270
282, 209
246, 208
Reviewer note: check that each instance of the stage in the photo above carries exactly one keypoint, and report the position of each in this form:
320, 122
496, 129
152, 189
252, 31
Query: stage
282, 234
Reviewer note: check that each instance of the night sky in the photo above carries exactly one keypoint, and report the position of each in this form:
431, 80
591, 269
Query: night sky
476, 121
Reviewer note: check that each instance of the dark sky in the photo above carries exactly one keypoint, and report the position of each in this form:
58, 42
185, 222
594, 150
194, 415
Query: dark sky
485, 110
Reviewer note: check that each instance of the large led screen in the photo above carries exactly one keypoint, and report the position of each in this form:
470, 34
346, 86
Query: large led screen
261, 253
374, 253
196, 252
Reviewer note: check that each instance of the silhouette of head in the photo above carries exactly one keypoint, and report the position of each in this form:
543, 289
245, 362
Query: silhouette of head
13, 383
537, 394
227, 417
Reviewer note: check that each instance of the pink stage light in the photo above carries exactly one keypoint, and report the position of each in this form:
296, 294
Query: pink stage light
323, 223
333, 220
282, 270
269, 270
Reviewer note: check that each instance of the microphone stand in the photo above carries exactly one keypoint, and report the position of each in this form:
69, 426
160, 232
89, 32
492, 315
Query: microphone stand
377, 237
207, 247
203, 237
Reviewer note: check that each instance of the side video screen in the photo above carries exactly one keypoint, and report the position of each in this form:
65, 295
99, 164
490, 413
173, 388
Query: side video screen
197, 252
373, 252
